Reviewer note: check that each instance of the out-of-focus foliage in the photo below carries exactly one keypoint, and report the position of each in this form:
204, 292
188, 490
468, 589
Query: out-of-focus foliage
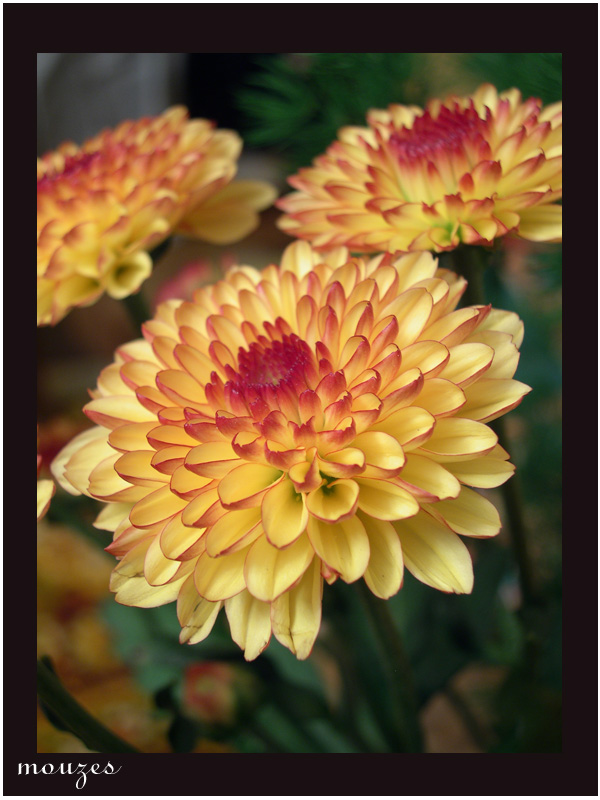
296, 102
535, 74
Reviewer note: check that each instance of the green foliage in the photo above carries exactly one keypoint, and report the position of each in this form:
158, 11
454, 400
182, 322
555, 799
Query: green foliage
298, 108
535, 74
297, 103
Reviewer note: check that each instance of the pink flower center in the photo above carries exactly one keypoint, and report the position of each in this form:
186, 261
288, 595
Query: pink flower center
451, 130
270, 363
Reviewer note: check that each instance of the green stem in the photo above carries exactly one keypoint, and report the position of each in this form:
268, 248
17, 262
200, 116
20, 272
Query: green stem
470, 262
513, 502
346, 720
399, 671
73, 716
138, 309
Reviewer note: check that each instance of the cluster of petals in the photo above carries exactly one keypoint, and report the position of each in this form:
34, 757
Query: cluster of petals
102, 206
45, 491
319, 420
466, 170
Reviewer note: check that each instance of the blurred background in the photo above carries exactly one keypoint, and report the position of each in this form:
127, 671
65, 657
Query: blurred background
487, 666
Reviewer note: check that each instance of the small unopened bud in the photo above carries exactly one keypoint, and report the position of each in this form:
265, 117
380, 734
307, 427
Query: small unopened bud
217, 693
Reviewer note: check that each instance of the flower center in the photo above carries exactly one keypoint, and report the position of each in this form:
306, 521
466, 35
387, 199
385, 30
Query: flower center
268, 373
270, 363
451, 130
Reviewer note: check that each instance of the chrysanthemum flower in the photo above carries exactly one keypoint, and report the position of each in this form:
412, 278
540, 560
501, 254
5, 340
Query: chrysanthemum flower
319, 420
467, 170
104, 205
45, 491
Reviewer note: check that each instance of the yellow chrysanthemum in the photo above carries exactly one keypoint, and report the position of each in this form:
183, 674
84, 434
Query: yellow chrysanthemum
468, 170
321, 419
103, 205
45, 491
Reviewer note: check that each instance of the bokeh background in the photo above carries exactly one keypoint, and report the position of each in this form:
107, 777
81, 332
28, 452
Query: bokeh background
487, 666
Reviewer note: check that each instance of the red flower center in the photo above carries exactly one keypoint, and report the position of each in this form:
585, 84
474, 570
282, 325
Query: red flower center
451, 130
269, 372
270, 363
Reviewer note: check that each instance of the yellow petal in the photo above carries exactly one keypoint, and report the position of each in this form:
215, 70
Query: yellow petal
409, 426
412, 309
469, 514
489, 399
483, 473
196, 615
198, 507
183, 482
385, 572
155, 507
435, 555
245, 485
428, 480
296, 615
131, 437
541, 223
271, 571
111, 412
112, 515
131, 586
506, 354
333, 502
222, 577
467, 362
177, 538
71, 473
231, 213
429, 357
385, 500
440, 397
382, 451
456, 439
250, 623
127, 275
343, 546
284, 514
212, 459
45, 491
506, 321
136, 467
233, 530
158, 569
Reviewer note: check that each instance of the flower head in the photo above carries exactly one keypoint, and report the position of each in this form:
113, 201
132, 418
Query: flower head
319, 420
467, 170
104, 205
45, 489
218, 693
45, 492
